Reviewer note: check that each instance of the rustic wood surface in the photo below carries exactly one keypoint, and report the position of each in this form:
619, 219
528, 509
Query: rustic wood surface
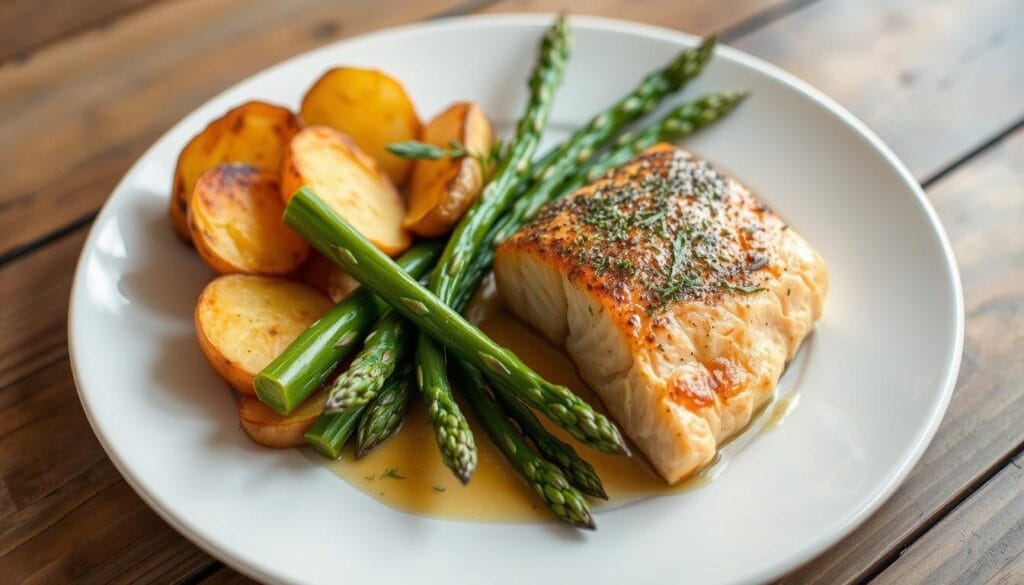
26, 25
86, 86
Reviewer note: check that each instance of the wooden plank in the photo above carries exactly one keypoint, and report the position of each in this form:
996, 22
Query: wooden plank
226, 576
81, 111
29, 23
983, 211
35, 323
932, 78
74, 518
982, 541
700, 17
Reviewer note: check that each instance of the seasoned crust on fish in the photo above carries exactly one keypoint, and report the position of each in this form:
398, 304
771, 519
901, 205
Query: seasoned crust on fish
677, 293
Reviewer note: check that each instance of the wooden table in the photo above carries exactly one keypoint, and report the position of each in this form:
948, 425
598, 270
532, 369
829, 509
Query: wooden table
87, 85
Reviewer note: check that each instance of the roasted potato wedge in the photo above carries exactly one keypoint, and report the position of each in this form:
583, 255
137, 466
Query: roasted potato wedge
255, 132
243, 322
440, 191
327, 277
371, 107
350, 182
234, 217
267, 428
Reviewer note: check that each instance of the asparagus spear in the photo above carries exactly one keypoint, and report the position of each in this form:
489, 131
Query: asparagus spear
498, 194
307, 362
576, 151
681, 121
343, 244
454, 438
546, 479
330, 432
384, 415
579, 473
453, 435
382, 351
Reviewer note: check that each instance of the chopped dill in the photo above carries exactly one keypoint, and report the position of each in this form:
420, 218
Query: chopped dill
746, 288
391, 473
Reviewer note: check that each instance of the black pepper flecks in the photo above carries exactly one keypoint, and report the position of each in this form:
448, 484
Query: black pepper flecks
667, 227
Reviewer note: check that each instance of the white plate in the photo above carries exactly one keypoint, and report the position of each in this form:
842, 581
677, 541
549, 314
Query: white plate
878, 373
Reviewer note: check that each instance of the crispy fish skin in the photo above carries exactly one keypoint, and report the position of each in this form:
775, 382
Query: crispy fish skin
677, 293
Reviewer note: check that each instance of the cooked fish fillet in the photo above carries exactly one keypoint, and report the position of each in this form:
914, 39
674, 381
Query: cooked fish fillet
679, 296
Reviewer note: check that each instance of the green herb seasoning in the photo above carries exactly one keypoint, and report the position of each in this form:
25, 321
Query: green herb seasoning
666, 228
391, 473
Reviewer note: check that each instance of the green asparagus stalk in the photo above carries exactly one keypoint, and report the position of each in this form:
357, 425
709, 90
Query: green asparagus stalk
383, 416
454, 438
547, 481
457, 446
680, 122
343, 244
307, 362
382, 351
579, 473
576, 151
498, 194
330, 432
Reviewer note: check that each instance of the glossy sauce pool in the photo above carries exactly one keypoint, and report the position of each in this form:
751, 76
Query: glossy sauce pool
406, 471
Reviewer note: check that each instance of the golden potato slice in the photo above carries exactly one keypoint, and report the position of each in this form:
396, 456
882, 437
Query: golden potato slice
371, 107
266, 427
243, 322
440, 191
255, 132
327, 277
234, 217
350, 182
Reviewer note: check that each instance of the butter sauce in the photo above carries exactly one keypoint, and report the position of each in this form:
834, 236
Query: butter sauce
406, 472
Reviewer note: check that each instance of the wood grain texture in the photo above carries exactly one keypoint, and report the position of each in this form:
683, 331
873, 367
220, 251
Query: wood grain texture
82, 111
70, 516
25, 24
225, 576
982, 541
700, 17
933, 79
983, 212
33, 314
